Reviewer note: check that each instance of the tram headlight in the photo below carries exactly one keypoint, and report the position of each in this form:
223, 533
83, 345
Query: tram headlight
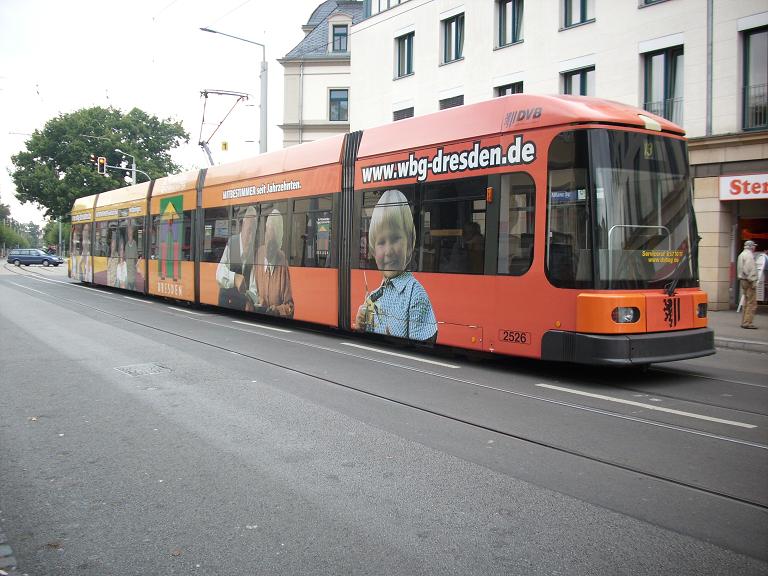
702, 311
625, 315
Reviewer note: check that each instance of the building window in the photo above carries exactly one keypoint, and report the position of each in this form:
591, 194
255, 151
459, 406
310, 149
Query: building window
580, 82
510, 15
404, 53
451, 102
664, 83
339, 105
402, 114
453, 38
514, 88
578, 12
340, 34
756, 79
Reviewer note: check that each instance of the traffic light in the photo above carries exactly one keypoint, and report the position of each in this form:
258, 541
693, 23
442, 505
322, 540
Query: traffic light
92, 159
101, 165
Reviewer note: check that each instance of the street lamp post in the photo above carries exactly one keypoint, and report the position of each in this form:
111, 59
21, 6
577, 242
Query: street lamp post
133, 164
263, 82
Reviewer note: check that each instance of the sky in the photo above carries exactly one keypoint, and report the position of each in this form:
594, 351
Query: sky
58, 56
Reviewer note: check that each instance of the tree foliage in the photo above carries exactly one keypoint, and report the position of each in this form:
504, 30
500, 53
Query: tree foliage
51, 233
11, 238
56, 168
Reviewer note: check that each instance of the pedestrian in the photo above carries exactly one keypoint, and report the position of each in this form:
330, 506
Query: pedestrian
747, 274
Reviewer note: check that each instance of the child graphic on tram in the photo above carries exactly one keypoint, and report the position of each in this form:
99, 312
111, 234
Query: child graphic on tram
400, 306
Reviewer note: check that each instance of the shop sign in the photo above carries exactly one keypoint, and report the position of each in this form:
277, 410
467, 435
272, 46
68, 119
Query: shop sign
744, 187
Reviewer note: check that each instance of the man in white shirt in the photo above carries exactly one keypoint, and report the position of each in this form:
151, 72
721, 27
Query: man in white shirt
747, 274
235, 270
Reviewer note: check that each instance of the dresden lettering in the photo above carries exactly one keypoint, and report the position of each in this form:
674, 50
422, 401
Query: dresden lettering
478, 157
168, 289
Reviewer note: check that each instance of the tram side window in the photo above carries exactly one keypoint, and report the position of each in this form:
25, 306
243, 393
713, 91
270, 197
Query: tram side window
569, 254
172, 237
217, 229
453, 227
392, 218
517, 216
311, 232
101, 246
131, 235
272, 234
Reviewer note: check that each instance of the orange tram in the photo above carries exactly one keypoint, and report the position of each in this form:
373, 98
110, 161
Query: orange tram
552, 227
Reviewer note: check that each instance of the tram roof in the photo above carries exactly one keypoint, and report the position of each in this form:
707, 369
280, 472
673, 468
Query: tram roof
512, 113
176, 183
307, 155
84, 203
122, 195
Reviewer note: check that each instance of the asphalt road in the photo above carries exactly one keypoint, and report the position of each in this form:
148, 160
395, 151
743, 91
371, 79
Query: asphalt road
142, 436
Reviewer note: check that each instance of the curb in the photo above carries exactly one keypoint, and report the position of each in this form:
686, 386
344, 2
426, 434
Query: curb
735, 344
7, 561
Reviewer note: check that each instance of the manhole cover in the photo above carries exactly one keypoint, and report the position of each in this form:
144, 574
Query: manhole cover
142, 369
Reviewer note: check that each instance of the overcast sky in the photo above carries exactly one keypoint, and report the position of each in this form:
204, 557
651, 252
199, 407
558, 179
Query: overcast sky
57, 56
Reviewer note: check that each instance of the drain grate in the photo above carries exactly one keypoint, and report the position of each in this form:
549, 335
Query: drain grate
142, 369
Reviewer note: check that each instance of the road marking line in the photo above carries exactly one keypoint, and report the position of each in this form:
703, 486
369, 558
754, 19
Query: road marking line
28, 288
138, 300
185, 311
371, 349
252, 325
647, 406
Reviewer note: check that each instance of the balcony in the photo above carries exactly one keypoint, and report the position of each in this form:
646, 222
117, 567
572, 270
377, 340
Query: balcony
756, 107
671, 109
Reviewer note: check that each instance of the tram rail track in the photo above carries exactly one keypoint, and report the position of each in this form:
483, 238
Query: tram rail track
668, 479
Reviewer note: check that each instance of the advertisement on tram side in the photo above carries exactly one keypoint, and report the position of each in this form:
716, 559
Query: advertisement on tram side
118, 250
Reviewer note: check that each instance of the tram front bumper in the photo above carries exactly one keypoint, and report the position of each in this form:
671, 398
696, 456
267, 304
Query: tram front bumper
627, 349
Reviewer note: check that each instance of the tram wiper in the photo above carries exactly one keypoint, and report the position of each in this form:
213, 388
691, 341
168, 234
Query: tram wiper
671, 286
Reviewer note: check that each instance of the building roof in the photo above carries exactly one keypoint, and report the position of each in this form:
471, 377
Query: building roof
315, 43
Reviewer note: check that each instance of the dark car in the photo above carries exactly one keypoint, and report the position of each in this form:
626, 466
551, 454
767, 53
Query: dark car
29, 256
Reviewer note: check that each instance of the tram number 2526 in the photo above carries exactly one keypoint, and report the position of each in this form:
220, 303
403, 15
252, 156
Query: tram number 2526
515, 337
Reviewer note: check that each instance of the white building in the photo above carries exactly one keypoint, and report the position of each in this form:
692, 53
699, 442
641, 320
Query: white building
317, 75
702, 64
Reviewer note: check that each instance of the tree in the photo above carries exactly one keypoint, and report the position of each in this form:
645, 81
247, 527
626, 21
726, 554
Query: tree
56, 168
51, 233
10, 238
5, 212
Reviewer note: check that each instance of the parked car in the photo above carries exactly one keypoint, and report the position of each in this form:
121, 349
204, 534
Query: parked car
29, 256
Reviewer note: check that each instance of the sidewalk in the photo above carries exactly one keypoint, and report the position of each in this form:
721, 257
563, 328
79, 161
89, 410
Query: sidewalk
730, 334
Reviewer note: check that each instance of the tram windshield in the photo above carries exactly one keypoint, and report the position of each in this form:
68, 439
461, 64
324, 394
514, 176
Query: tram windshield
620, 213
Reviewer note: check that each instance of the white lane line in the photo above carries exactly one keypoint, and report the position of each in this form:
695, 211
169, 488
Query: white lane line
138, 300
99, 292
252, 325
185, 311
647, 406
416, 358
28, 288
